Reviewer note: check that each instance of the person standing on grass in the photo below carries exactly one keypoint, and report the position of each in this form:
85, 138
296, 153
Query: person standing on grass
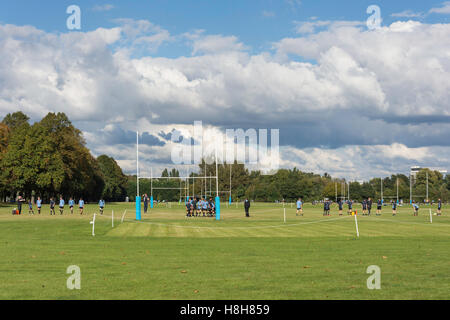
61, 205
416, 208
20, 200
379, 206
364, 207
145, 197
394, 208
299, 207
213, 207
39, 204
101, 204
439, 207
205, 207
81, 205
350, 205
30, 207
340, 204
52, 206
247, 207
188, 207
369, 205
71, 204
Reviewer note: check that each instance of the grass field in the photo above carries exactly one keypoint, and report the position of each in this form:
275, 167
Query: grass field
166, 256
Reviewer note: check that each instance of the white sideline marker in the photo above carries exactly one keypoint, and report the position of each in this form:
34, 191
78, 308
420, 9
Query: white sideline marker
93, 225
356, 223
123, 216
431, 217
284, 209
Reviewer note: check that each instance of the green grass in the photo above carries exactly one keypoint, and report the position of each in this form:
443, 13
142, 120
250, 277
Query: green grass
166, 256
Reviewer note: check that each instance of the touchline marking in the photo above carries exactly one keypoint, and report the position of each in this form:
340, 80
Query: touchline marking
250, 227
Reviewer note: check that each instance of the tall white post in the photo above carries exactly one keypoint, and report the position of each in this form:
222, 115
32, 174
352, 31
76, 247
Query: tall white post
230, 178
335, 190
217, 175
410, 188
137, 163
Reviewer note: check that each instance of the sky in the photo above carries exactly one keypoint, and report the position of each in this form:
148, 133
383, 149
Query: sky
347, 99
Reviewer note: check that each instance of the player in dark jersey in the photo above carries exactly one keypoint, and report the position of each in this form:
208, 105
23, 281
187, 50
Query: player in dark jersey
52, 206
350, 206
326, 208
439, 212
379, 207
340, 204
369, 206
188, 207
364, 207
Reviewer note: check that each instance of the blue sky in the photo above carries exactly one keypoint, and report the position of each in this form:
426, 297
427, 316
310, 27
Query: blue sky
350, 101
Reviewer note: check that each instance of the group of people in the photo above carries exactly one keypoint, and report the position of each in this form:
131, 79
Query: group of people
61, 205
366, 207
195, 207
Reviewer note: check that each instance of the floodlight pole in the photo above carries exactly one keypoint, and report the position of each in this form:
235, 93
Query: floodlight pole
382, 200
410, 188
427, 186
230, 183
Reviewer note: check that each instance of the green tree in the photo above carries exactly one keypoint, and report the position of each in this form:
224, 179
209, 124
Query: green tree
115, 180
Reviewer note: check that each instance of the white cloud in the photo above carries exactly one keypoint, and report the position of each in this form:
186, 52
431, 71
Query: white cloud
103, 7
268, 14
407, 14
444, 9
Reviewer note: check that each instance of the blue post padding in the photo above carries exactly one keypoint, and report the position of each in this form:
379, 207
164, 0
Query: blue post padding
138, 208
217, 208
230, 199
187, 199
151, 202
